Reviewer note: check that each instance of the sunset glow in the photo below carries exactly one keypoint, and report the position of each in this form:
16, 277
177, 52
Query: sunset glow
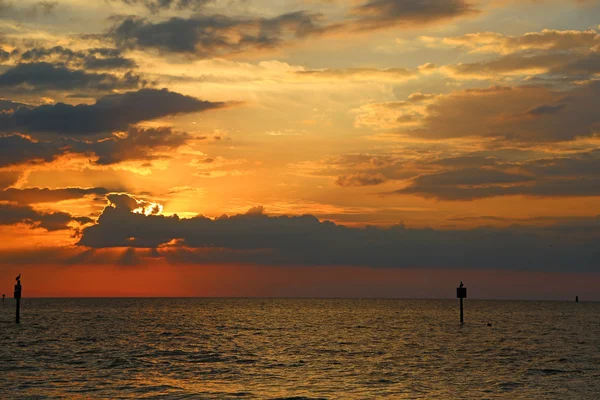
374, 148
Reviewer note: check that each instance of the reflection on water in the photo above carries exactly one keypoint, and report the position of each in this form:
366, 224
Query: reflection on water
302, 349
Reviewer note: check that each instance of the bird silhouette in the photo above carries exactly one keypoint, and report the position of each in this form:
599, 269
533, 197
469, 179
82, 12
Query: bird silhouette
18, 278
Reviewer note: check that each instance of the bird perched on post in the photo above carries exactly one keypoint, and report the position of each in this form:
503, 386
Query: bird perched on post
18, 278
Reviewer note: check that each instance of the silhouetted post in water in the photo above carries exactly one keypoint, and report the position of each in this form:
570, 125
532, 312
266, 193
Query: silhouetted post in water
3, 296
576, 299
18, 298
461, 293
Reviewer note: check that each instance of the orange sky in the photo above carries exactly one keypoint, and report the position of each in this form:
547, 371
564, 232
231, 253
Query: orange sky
466, 132
158, 280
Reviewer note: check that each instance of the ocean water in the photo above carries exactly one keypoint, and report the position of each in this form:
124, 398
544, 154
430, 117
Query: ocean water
299, 349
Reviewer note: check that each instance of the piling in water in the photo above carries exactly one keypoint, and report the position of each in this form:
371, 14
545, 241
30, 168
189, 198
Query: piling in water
461, 293
18, 299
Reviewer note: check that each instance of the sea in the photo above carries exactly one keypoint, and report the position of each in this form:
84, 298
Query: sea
300, 349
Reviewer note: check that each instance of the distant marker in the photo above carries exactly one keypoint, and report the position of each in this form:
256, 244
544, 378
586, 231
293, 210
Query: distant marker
576, 299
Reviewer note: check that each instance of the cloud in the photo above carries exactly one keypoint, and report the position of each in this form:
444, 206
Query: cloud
547, 40
156, 6
11, 214
550, 54
4, 55
8, 178
212, 36
381, 14
575, 175
110, 113
456, 174
554, 64
304, 240
360, 74
42, 8
136, 144
94, 58
361, 179
45, 195
363, 169
545, 109
525, 114
43, 76
139, 144
206, 36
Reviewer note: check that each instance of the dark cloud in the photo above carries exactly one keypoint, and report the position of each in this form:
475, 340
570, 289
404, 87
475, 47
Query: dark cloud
574, 176
95, 58
10, 106
584, 66
115, 112
380, 14
541, 188
156, 6
554, 65
304, 240
11, 214
209, 36
138, 144
43, 76
529, 62
4, 56
518, 114
553, 55
28, 11
469, 176
8, 178
205, 36
45, 195
361, 179
17, 149
472, 177
546, 109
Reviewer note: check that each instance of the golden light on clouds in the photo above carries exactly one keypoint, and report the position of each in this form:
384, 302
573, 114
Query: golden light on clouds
400, 121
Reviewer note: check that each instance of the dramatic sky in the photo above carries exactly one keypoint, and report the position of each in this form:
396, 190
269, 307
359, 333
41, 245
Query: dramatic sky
378, 148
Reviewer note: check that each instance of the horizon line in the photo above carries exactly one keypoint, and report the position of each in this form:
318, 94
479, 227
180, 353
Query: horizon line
292, 298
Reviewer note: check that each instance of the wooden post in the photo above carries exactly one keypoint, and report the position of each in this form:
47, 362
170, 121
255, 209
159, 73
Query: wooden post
461, 293
18, 298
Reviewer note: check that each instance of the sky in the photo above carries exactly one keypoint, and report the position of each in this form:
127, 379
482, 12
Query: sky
300, 148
